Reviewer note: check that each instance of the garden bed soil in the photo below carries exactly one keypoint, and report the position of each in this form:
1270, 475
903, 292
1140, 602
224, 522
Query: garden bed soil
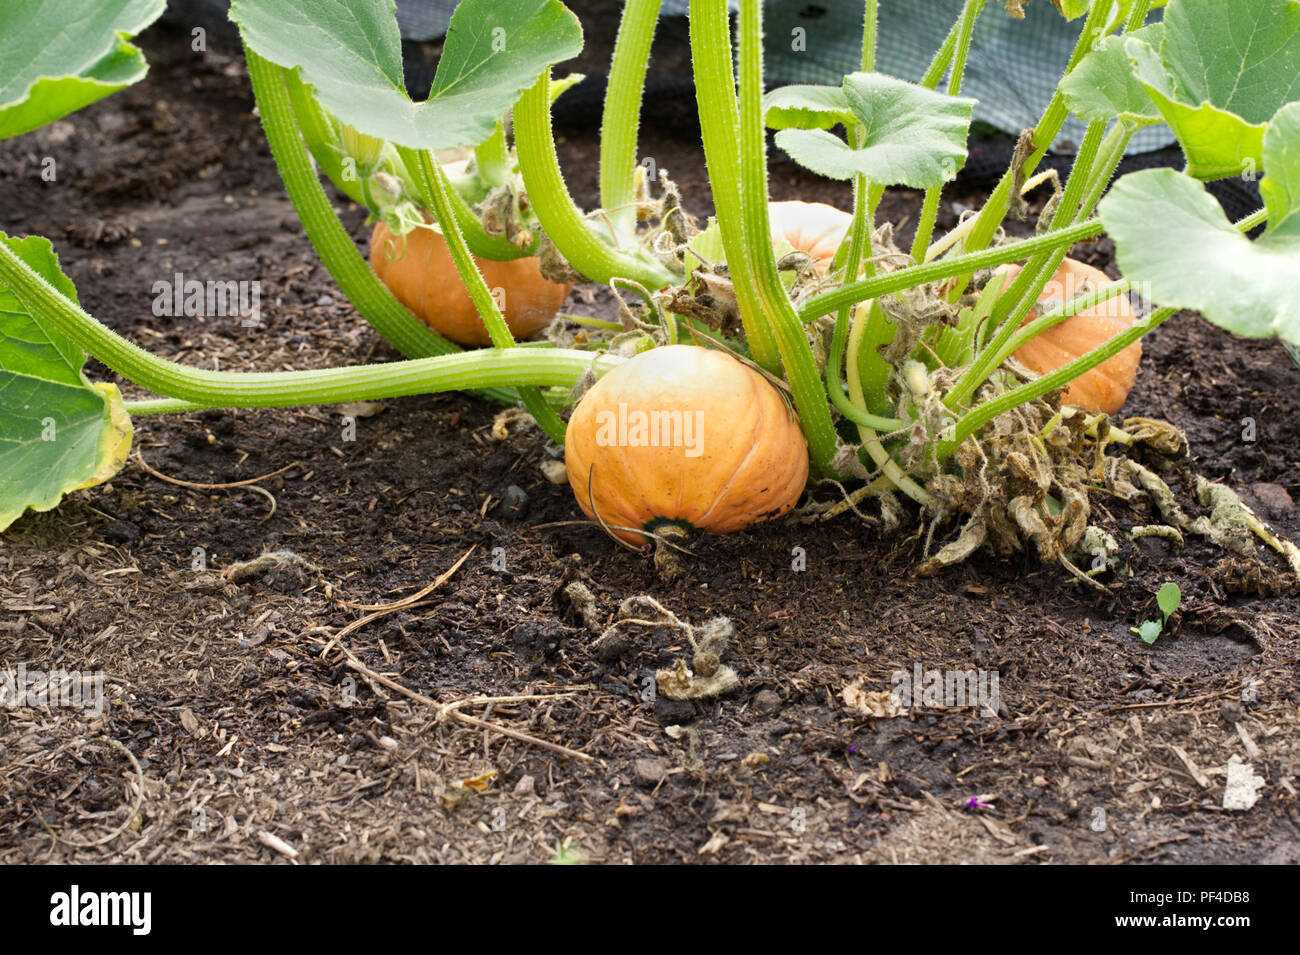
234, 697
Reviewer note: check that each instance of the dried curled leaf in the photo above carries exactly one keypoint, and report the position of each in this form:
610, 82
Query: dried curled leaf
878, 704
679, 683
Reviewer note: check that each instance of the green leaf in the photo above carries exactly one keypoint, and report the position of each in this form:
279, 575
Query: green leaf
1073, 9
350, 52
1104, 86
1217, 72
57, 56
58, 432
913, 136
1174, 241
806, 107
1169, 598
1149, 631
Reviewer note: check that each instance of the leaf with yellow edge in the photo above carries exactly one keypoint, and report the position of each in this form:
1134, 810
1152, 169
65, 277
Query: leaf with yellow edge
58, 431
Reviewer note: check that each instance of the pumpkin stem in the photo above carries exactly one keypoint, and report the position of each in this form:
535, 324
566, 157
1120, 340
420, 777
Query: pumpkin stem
666, 535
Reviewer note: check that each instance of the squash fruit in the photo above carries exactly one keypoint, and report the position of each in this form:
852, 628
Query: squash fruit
419, 271
1105, 388
811, 227
684, 438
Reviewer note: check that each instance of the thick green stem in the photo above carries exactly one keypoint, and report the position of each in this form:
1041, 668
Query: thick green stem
335, 247
434, 181
930, 207
969, 423
1045, 133
147, 406
622, 116
492, 158
715, 90
739, 178
870, 28
1019, 300
485, 368
973, 420
1138, 15
915, 275
549, 197
1110, 155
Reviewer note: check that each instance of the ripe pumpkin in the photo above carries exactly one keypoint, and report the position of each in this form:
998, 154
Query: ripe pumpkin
423, 277
686, 438
811, 227
1104, 388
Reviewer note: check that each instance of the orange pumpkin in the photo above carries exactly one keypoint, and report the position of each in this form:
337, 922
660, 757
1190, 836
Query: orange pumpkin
811, 227
685, 437
1104, 388
421, 274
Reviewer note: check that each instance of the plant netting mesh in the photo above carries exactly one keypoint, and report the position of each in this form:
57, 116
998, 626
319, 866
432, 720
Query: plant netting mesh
1013, 69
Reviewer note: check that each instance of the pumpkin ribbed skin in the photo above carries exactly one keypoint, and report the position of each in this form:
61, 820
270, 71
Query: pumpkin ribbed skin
1105, 388
742, 458
811, 227
423, 277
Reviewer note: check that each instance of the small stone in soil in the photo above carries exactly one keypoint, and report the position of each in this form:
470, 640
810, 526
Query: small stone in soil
514, 502
674, 711
1273, 499
122, 534
767, 701
650, 772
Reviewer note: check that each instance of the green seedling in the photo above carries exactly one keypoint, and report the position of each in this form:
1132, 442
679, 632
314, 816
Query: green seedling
1168, 598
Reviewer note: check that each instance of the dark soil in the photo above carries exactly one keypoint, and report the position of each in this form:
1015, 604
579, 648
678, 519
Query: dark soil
256, 742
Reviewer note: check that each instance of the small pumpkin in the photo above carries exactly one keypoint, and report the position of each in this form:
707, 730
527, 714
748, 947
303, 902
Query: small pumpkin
1105, 388
420, 272
687, 438
811, 227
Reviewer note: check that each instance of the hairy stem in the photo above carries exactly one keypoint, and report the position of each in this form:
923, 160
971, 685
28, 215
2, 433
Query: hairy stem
930, 207
335, 247
485, 368
715, 89
433, 180
1045, 133
622, 115
742, 208
573, 236
915, 275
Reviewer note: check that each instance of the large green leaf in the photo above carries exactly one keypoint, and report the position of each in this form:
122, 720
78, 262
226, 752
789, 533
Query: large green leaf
1172, 238
57, 56
806, 107
350, 52
913, 135
1073, 9
58, 432
1218, 71
1104, 86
